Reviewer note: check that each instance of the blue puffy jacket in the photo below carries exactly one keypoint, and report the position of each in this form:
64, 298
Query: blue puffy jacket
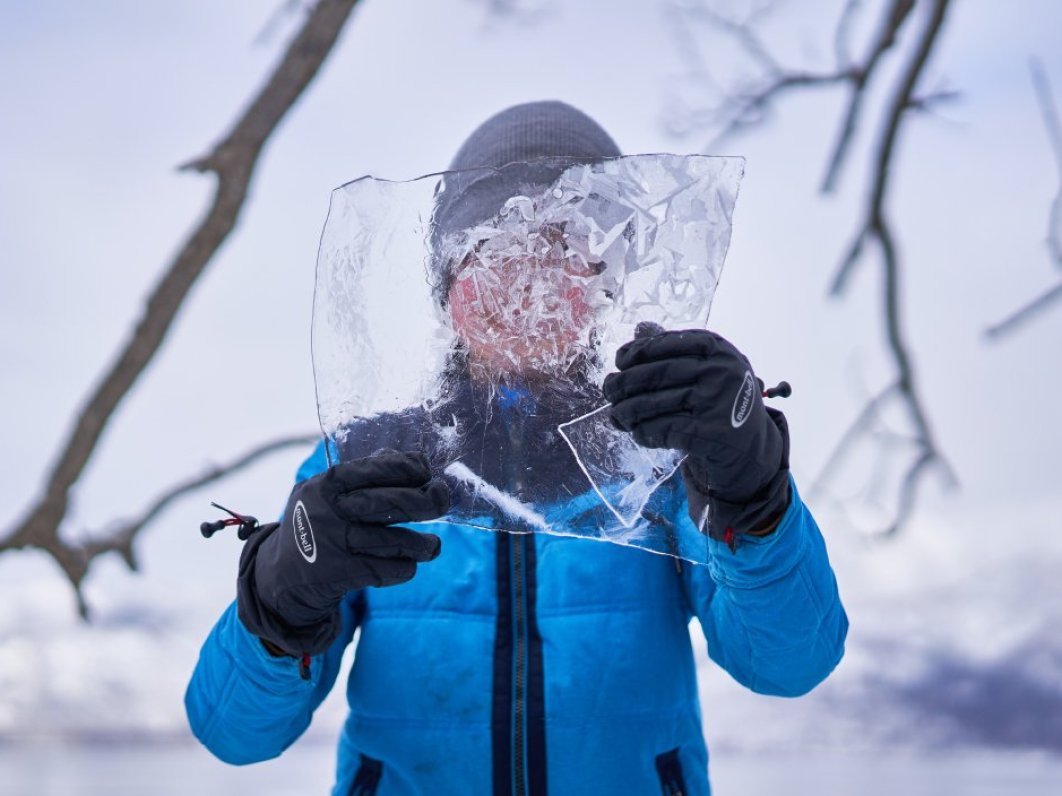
527, 664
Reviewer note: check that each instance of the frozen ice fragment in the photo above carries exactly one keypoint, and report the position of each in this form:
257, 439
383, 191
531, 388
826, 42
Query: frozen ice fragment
480, 344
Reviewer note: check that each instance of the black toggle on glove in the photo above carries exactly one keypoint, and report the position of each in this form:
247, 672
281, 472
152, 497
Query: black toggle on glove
336, 536
695, 392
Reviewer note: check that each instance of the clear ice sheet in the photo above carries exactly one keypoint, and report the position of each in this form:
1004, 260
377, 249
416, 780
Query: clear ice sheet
478, 330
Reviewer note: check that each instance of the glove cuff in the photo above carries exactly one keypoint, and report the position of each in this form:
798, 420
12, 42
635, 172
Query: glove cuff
723, 519
259, 619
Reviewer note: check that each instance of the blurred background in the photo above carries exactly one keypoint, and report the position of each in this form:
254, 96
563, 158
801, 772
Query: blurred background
941, 509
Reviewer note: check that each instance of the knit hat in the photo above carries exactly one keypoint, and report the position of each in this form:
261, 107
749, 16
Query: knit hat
520, 149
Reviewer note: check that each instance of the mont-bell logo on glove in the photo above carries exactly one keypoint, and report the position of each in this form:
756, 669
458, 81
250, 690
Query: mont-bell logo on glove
304, 533
743, 401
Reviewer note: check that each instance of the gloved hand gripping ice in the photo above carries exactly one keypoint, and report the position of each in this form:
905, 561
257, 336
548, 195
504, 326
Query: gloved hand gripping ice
337, 536
695, 392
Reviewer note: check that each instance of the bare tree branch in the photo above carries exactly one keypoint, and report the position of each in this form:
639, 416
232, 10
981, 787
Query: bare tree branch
929, 102
1025, 314
895, 15
233, 161
875, 227
864, 420
119, 537
906, 500
123, 533
747, 107
750, 107
843, 33
1053, 126
744, 31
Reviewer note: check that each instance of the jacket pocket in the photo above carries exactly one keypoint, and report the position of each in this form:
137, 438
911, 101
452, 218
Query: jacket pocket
367, 778
669, 769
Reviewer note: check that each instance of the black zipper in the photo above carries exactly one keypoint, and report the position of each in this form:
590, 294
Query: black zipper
520, 676
519, 712
669, 769
367, 778
519, 716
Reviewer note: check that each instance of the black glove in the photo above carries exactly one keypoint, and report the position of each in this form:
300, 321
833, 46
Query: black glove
695, 392
336, 537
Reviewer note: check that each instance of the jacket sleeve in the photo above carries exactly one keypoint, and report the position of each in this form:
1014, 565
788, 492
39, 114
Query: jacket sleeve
246, 705
770, 609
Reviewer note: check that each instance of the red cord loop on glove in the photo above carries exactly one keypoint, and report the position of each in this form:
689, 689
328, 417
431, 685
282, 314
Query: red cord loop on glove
247, 523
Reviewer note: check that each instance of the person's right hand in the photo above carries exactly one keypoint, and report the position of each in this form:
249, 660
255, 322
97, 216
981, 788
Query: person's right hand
337, 536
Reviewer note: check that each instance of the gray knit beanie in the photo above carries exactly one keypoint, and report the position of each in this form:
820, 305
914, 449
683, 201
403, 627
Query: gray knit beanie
534, 130
522, 148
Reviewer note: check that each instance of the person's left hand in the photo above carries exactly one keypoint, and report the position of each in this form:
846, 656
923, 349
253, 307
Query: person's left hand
696, 392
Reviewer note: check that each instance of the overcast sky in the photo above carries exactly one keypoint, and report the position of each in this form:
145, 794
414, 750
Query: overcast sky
100, 102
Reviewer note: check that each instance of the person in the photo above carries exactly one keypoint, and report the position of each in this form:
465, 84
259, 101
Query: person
504, 663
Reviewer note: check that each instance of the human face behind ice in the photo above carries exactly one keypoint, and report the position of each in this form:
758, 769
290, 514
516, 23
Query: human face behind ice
526, 310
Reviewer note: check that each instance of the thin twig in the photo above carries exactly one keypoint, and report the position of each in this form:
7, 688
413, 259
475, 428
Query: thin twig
896, 14
233, 161
928, 102
750, 105
744, 31
1049, 110
1025, 314
745, 108
877, 228
856, 428
874, 227
120, 539
1053, 126
124, 533
843, 32
907, 498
